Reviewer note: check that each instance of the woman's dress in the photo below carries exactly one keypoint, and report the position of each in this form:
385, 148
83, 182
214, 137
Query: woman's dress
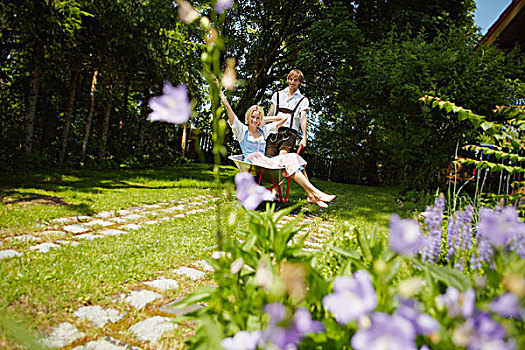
253, 149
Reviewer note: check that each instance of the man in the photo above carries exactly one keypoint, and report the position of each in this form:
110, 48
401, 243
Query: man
295, 105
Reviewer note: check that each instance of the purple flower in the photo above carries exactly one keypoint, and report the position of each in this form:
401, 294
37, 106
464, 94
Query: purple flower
223, 5
433, 218
405, 237
249, 193
304, 324
459, 304
171, 107
423, 324
385, 332
276, 311
288, 337
499, 227
352, 297
242, 341
485, 332
507, 305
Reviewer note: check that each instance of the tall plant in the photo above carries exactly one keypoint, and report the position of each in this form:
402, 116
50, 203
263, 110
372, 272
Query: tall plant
503, 144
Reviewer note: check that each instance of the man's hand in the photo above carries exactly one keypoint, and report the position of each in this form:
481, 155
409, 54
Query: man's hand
303, 142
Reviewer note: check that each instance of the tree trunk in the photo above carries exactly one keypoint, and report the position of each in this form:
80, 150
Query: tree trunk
184, 139
105, 124
142, 121
68, 114
32, 96
122, 116
87, 126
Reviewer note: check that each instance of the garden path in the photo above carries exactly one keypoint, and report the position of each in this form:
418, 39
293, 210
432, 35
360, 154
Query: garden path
142, 318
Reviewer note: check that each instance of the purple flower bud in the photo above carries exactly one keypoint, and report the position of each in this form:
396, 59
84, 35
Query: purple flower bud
223, 5
433, 218
171, 107
405, 237
352, 297
249, 193
499, 227
385, 332
507, 305
276, 311
423, 324
242, 341
459, 304
279, 337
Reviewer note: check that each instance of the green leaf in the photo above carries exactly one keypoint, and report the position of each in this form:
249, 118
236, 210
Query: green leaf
349, 253
201, 294
451, 277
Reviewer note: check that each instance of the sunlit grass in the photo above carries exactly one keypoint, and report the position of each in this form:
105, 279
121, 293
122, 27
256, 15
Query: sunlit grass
46, 288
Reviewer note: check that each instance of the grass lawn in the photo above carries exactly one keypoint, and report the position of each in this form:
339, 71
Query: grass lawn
46, 288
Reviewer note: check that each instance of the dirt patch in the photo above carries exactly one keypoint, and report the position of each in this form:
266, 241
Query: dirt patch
36, 199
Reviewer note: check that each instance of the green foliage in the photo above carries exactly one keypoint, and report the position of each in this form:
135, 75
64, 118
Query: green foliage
506, 138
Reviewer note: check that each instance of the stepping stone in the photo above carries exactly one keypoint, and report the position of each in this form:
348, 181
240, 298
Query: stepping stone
153, 328
88, 236
63, 220
107, 343
84, 218
97, 315
113, 232
324, 230
132, 217
193, 274
218, 255
203, 264
43, 247
167, 210
9, 253
104, 214
62, 335
163, 284
168, 308
76, 228
24, 238
139, 299
313, 250
180, 215
130, 227
119, 220
136, 208
151, 222
72, 243
152, 206
52, 233
314, 245
124, 212
99, 223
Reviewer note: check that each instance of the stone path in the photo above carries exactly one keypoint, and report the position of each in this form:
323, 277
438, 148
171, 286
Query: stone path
142, 316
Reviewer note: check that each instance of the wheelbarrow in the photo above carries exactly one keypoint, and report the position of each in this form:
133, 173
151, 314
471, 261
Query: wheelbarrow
272, 177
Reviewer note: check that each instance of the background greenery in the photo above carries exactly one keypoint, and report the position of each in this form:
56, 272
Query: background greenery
366, 67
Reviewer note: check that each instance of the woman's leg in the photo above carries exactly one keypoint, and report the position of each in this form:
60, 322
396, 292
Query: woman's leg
314, 195
325, 197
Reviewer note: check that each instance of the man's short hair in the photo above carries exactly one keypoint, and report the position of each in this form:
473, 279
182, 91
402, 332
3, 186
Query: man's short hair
296, 73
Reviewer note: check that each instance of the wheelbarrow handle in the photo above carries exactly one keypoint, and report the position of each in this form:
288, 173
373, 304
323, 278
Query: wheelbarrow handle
299, 149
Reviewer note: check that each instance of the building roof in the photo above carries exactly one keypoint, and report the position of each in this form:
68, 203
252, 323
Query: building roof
509, 29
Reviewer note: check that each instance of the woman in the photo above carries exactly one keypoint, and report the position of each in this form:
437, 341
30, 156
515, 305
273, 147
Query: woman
252, 139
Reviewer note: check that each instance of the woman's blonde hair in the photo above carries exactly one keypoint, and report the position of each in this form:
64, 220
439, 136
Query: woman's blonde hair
250, 111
